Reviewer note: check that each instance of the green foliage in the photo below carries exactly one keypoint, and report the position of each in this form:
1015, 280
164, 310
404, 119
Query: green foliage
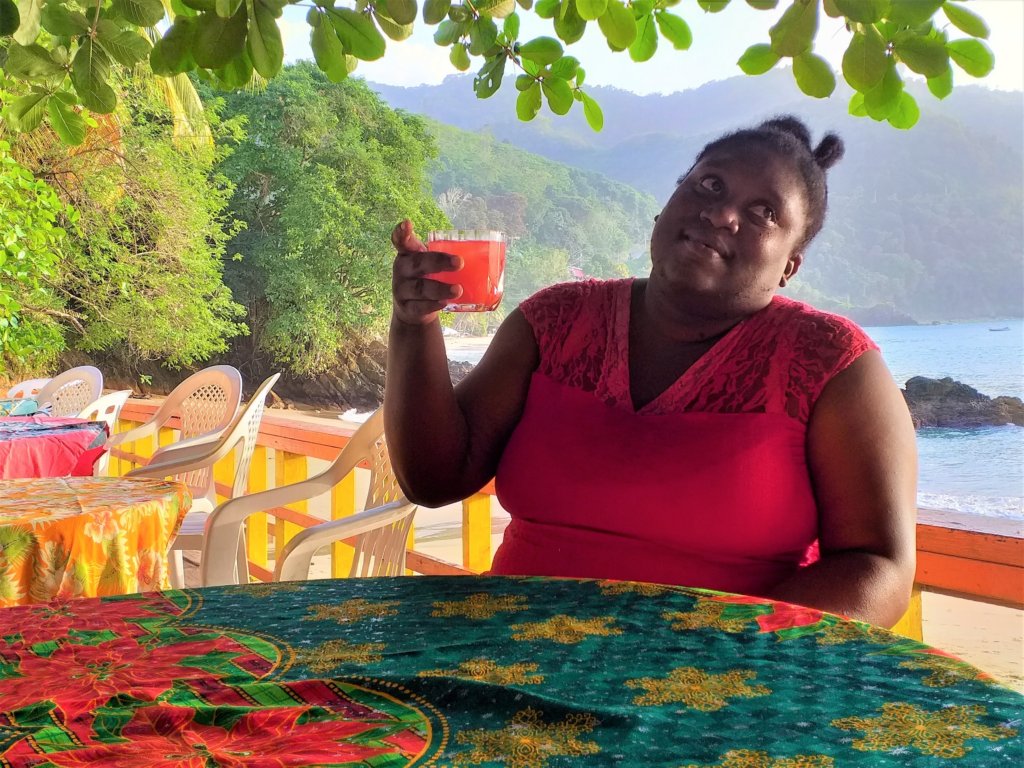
33, 241
326, 171
140, 275
231, 42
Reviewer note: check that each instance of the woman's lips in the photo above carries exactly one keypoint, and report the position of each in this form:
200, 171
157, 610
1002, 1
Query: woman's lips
701, 247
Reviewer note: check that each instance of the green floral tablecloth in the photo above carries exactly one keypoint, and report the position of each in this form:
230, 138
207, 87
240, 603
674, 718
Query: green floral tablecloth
461, 671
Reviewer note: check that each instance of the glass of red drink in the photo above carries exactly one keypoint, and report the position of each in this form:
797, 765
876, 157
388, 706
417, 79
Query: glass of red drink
482, 276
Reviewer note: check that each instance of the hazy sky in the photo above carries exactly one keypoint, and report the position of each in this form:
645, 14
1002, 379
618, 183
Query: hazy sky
718, 41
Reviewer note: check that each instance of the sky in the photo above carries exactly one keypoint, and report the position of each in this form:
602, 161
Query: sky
718, 41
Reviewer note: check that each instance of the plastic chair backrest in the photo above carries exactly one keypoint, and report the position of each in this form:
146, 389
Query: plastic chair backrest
69, 392
106, 409
26, 389
245, 429
207, 403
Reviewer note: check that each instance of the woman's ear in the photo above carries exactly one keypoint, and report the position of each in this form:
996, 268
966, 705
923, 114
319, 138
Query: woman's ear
792, 267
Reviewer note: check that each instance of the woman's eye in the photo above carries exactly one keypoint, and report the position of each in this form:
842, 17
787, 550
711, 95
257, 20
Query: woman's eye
764, 212
711, 184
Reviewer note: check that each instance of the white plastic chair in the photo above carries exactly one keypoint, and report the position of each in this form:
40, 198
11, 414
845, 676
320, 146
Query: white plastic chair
207, 402
26, 389
185, 463
69, 392
107, 409
381, 530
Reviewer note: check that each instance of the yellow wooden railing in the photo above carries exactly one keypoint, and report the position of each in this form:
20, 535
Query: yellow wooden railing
965, 555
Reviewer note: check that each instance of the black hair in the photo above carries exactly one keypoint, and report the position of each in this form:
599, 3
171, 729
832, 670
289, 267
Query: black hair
787, 136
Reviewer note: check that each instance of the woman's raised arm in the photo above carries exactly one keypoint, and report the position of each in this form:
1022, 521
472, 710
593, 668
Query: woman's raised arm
445, 442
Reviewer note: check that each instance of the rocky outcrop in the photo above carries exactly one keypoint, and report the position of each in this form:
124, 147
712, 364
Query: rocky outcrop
949, 403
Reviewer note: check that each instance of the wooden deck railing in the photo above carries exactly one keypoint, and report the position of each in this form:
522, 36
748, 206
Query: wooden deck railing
972, 556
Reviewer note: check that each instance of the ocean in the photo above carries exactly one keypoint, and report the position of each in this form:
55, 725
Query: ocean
961, 470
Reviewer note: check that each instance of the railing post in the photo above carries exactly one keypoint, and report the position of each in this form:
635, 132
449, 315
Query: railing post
909, 624
256, 539
224, 474
288, 468
343, 504
476, 532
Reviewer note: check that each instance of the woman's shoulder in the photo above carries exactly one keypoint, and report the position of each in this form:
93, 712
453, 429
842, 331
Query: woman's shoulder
565, 302
812, 324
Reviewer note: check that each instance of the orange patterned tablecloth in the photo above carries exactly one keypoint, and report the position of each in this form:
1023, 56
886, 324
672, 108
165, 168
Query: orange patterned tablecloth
86, 536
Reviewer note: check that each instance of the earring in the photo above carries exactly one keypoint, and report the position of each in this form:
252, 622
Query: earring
656, 216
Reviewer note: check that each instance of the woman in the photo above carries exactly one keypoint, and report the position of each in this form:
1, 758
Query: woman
691, 428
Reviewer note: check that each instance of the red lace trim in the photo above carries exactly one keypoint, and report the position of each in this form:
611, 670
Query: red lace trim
776, 361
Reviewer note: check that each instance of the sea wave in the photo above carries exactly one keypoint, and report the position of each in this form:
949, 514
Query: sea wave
990, 506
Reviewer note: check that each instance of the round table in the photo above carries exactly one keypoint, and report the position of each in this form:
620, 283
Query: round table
484, 671
49, 446
85, 536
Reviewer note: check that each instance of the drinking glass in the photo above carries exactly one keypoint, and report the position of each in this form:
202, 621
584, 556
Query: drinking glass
482, 276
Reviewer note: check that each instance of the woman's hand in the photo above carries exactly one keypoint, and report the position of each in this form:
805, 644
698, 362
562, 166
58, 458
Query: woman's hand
416, 298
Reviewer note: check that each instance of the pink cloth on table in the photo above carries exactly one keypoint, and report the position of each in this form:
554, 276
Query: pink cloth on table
54, 453
707, 485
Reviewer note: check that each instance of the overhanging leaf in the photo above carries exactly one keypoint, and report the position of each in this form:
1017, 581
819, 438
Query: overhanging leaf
591, 10
30, 61
143, 13
528, 102
559, 95
263, 43
793, 34
925, 55
941, 85
435, 10
814, 75
646, 43
358, 34
865, 60
30, 12
25, 113
912, 12
541, 50
592, 111
90, 71
960, 17
328, 51
392, 28
618, 26
10, 18
58, 20
758, 59
675, 30
401, 11
882, 100
217, 41
972, 56
64, 120
861, 11
459, 57
568, 24
172, 54
906, 114
124, 46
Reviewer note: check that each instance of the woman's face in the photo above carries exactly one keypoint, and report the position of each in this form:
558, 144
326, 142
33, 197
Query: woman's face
730, 231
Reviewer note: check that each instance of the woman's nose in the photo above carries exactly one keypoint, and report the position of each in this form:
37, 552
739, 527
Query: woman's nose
722, 216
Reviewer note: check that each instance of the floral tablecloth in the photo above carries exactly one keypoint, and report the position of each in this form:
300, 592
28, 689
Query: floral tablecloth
49, 446
465, 671
84, 536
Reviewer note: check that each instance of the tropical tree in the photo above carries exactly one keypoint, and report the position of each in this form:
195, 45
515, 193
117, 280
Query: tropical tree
323, 175
63, 51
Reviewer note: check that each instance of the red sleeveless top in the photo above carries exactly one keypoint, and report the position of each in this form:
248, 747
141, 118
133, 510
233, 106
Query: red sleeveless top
705, 486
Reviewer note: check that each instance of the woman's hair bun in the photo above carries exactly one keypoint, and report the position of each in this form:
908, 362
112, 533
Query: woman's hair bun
830, 150
791, 125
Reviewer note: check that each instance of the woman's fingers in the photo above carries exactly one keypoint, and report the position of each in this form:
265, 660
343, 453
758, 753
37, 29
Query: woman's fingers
404, 238
425, 289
